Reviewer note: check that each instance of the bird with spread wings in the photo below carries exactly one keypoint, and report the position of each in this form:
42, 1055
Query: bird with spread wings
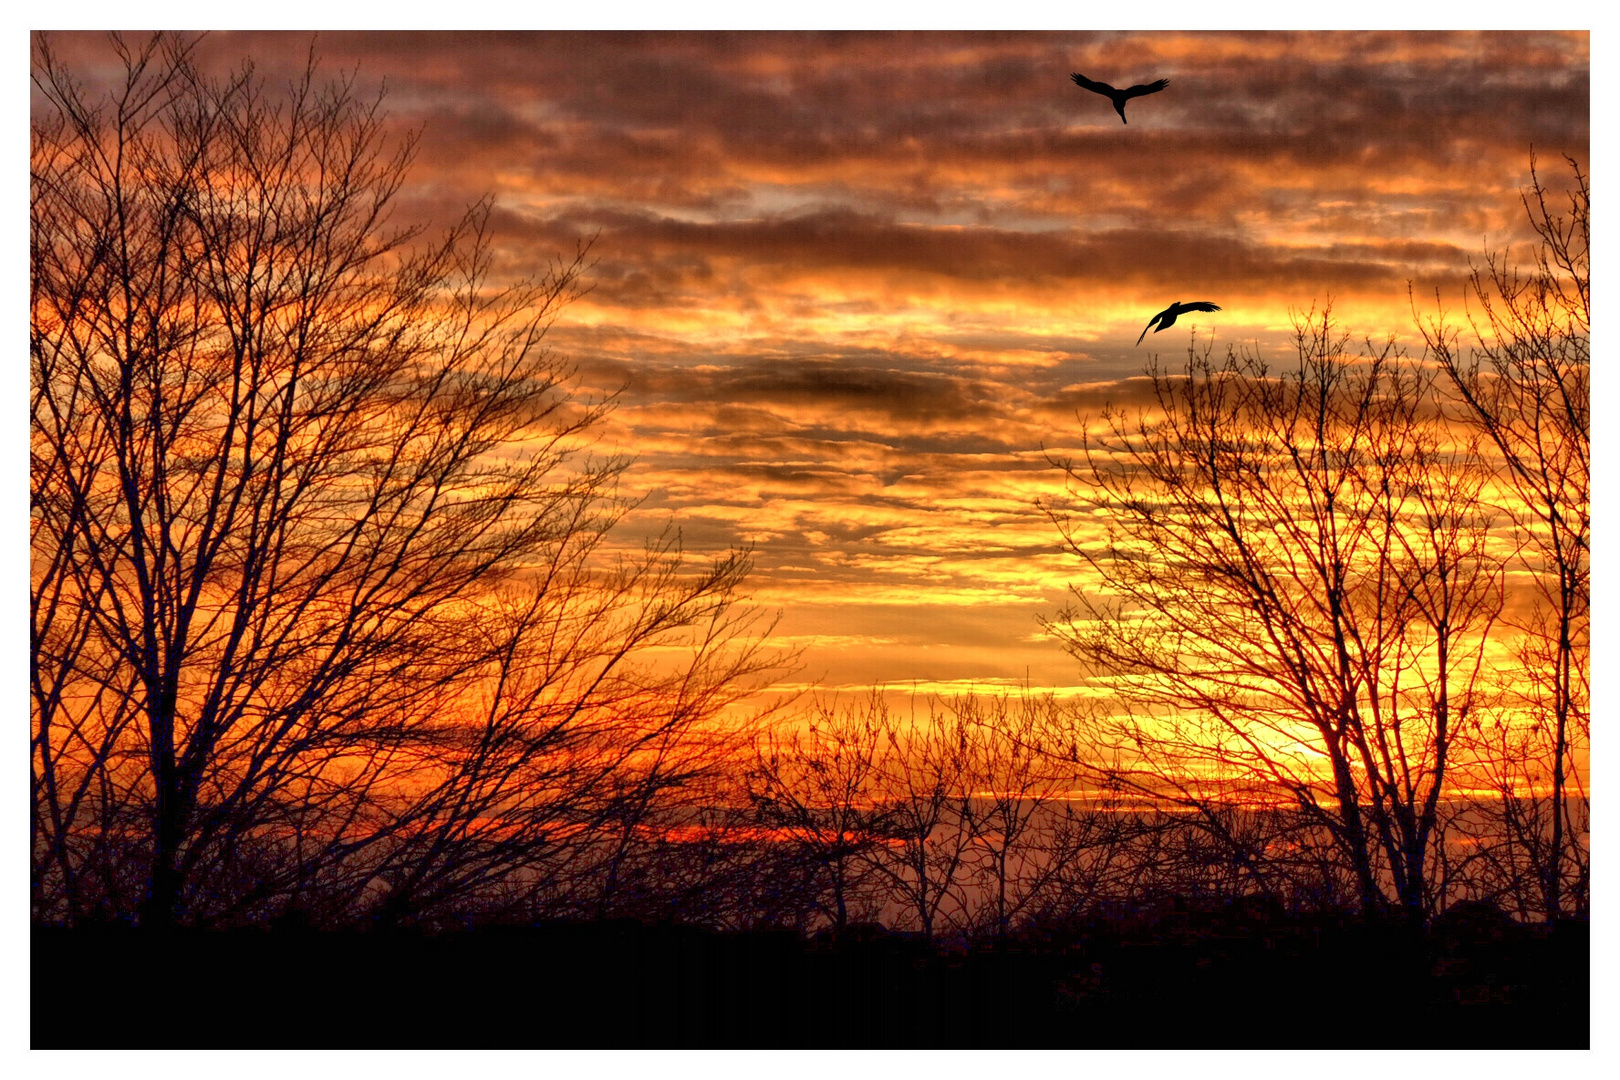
1119, 97
1167, 317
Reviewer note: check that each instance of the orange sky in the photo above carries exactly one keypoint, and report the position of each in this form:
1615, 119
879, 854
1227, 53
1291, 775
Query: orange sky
854, 283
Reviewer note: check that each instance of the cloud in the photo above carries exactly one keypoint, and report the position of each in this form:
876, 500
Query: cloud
851, 289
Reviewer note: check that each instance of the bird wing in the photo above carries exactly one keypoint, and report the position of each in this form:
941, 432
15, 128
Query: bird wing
1148, 327
1199, 305
1147, 88
1092, 85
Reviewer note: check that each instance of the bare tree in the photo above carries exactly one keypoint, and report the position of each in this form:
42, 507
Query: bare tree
1097, 853
1525, 385
925, 787
1292, 599
1023, 825
319, 612
816, 792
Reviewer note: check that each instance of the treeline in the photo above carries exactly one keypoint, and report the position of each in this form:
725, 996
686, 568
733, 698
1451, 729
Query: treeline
967, 825
977, 821
327, 628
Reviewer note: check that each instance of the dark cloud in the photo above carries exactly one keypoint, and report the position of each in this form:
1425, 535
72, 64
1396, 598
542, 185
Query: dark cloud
903, 119
674, 258
902, 396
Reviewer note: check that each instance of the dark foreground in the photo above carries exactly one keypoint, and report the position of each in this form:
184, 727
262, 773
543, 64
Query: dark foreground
1182, 979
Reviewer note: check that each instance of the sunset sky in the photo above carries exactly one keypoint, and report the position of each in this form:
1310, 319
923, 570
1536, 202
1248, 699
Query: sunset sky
853, 284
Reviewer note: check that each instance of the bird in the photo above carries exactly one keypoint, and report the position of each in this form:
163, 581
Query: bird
1168, 316
1119, 97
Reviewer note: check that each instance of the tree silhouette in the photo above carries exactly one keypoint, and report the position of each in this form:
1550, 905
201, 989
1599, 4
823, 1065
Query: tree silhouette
320, 618
816, 792
1023, 826
1525, 384
1291, 598
925, 786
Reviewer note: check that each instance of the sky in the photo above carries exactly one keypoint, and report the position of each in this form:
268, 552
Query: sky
855, 290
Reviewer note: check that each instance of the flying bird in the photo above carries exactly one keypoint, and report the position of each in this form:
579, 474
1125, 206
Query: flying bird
1167, 317
1119, 97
